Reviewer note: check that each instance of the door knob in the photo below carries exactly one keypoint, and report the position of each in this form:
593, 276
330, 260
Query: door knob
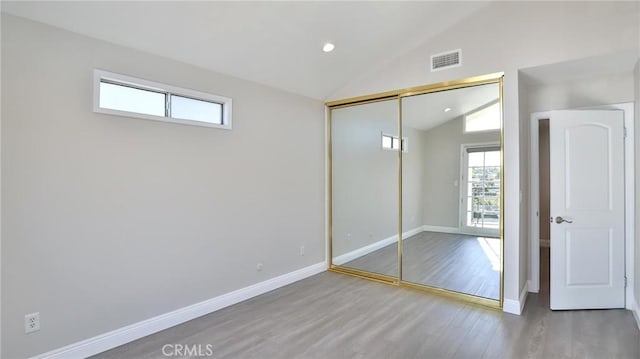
560, 220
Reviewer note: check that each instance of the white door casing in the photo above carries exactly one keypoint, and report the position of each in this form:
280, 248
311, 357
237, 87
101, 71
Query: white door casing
465, 188
587, 188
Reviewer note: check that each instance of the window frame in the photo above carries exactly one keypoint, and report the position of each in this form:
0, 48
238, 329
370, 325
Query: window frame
492, 103
146, 85
464, 165
404, 144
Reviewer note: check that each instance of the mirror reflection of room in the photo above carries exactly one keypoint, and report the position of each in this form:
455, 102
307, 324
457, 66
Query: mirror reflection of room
365, 187
451, 190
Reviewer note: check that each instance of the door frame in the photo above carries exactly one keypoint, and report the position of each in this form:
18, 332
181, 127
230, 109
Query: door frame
463, 180
629, 208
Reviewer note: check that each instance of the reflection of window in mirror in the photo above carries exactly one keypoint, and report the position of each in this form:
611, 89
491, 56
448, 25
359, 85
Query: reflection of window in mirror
481, 197
486, 118
390, 142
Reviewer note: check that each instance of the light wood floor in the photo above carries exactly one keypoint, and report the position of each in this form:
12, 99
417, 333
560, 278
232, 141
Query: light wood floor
451, 261
336, 316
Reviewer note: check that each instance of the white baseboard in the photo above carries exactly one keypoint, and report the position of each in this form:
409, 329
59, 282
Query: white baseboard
516, 306
357, 253
103, 342
441, 229
511, 306
636, 312
457, 230
412, 232
532, 288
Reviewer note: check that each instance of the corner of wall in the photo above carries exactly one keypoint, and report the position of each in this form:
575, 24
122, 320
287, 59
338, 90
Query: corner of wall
513, 260
516, 306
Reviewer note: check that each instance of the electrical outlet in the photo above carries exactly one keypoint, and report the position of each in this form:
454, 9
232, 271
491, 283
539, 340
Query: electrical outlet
301, 250
31, 323
259, 267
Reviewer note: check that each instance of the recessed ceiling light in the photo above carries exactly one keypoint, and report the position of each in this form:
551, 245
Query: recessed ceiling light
447, 109
328, 47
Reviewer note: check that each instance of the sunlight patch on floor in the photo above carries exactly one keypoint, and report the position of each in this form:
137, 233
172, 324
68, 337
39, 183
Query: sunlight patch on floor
491, 249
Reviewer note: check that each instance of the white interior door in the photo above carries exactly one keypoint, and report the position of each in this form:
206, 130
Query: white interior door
587, 209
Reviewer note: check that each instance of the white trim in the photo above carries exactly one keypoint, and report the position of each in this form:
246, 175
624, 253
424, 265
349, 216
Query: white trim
412, 232
516, 306
629, 182
630, 202
455, 230
534, 199
531, 288
511, 306
112, 339
462, 204
362, 251
441, 229
99, 75
327, 194
635, 309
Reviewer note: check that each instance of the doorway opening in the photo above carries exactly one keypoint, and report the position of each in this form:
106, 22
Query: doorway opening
540, 200
544, 208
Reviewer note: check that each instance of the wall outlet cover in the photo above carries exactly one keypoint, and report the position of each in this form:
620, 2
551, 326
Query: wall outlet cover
31, 322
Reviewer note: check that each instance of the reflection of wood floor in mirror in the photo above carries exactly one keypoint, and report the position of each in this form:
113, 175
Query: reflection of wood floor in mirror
457, 262
381, 261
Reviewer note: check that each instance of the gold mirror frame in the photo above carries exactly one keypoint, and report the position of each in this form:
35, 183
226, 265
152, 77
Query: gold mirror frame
495, 78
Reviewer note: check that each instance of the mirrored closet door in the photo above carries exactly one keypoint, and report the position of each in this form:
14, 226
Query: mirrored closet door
451, 190
416, 188
364, 163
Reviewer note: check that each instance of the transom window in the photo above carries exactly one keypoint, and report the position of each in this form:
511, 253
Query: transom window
486, 118
390, 142
127, 96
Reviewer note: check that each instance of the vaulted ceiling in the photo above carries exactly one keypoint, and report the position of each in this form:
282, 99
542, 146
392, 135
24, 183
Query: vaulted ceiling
274, 43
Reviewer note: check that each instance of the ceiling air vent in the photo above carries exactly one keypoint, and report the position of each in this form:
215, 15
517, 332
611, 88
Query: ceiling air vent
446, 60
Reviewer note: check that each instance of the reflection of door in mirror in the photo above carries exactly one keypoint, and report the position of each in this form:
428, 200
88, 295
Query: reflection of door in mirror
364, 183
451, 190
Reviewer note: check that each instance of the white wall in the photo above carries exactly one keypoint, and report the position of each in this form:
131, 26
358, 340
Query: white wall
507, 36
597, 90
109, 220
365, 176
413, 179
